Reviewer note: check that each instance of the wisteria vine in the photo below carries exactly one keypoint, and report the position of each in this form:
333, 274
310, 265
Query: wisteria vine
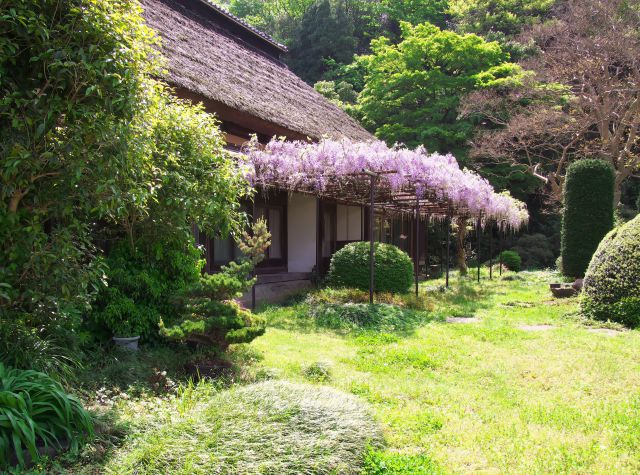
306, 165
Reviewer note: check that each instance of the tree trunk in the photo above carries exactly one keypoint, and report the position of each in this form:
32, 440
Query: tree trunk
461, 255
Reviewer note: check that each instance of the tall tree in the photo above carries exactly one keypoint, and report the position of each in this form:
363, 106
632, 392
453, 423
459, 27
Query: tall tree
324, 33
413, 88
597, 111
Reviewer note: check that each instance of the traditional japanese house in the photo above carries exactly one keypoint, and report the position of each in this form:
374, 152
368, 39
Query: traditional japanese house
237, 72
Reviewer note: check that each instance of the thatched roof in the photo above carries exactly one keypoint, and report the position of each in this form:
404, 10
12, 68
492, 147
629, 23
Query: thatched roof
237, 66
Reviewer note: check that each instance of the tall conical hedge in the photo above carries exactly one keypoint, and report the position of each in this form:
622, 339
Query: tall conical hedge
588, 213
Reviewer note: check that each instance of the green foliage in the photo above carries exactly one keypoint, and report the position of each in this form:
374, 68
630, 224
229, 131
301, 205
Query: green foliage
511, 260
76, 90
413, 88
325, 32
340, 94
141, 284
318, 372
23, 347
379, 462
504, 16
612, 281
350, 267
587, 214
69, 75
254, 245
35, 411
205, 313
215, 325
416, 12
535, 250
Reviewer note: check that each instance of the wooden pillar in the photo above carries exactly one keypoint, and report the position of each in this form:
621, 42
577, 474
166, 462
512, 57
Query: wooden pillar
478, 243
416, 258
253, 272
426, 248
372, 252
442, 226
500, 244
491, 252
448, 264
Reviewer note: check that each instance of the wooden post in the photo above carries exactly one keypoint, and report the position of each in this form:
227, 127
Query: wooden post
253, 272
416, 259
478, 242
448, 231
426, 249
372, 252
500, 244
440, 246
491, 252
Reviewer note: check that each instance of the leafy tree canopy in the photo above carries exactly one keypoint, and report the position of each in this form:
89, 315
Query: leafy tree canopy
324, 33
413, 89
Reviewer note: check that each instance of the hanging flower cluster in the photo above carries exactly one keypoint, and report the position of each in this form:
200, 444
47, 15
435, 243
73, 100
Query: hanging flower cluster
298, 165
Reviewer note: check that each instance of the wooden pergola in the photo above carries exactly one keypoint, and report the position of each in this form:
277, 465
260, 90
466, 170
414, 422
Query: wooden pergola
372, 189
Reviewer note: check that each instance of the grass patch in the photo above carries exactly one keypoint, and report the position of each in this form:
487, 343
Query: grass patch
484, 397
269, 427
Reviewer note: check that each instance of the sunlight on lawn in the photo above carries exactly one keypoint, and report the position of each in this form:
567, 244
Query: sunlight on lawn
486, 396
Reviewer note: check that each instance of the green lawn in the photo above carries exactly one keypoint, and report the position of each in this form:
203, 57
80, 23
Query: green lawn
486, 396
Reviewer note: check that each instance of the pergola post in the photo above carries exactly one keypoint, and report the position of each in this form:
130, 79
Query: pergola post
442, 226
253, 272
426, 248
491, 251
416, 258
478, 243
372, 253
500, 244
448, 231
372, 249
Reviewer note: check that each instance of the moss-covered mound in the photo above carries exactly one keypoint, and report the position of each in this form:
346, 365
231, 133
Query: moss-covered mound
270, 427
612, 281
350, 267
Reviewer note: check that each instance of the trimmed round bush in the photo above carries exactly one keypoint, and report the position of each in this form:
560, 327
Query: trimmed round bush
511, 260
271, 427
588, 213
612, 282
350, 267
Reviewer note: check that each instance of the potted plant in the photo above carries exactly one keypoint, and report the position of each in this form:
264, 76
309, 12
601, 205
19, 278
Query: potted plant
125, 335
126, 320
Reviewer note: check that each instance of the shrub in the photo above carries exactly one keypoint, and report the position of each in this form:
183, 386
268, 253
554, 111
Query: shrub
588, 213
350, 267
24, 347
511, 260
141, 284
214, 324
204, 313
299, 428
612, 282
35, 411
535, 250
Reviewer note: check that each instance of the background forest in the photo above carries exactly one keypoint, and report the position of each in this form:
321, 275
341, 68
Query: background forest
507, 86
